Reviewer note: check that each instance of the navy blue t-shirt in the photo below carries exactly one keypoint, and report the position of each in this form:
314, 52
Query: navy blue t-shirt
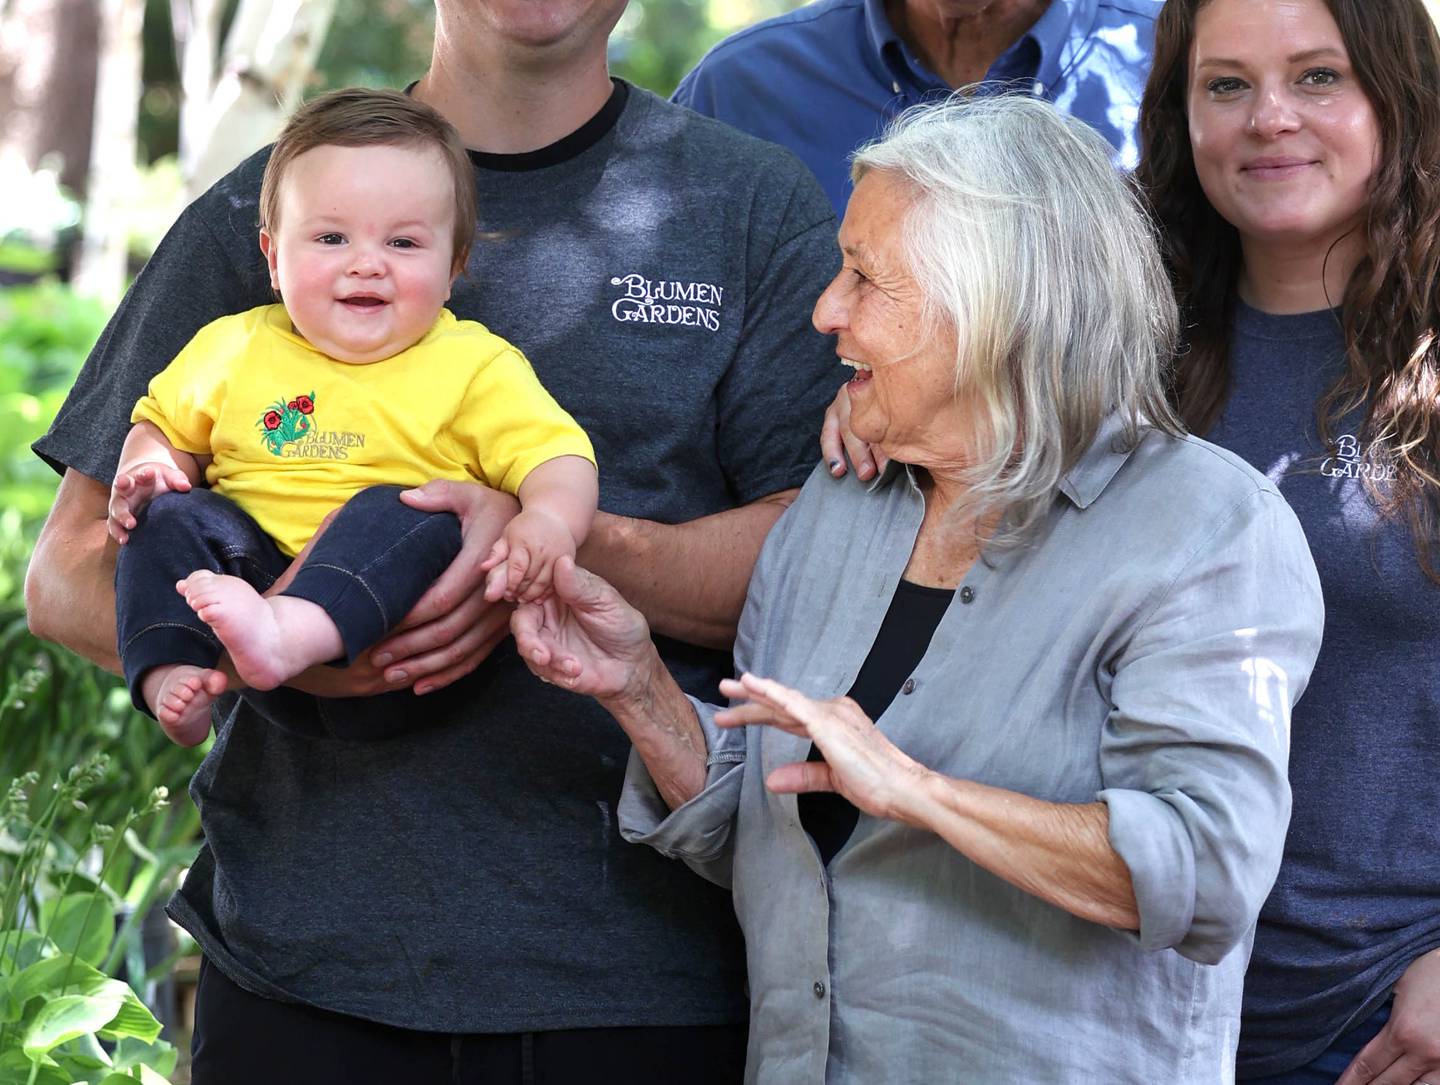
1358, 897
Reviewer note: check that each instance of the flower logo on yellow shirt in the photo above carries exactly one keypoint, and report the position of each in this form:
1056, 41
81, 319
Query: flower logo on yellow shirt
287, 421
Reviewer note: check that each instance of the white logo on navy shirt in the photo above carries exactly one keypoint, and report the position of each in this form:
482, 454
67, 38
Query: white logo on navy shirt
1348, 462
646, 301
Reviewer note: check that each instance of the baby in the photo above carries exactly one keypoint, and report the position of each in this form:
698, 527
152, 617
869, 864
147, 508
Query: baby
360, 384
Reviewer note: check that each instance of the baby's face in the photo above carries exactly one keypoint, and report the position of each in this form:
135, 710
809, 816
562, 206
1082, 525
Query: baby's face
362, 252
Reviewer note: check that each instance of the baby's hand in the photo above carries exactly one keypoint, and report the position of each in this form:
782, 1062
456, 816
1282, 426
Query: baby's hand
137, 487
521, 564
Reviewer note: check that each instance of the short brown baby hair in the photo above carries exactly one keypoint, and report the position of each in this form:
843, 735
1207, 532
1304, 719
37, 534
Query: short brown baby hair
360, 117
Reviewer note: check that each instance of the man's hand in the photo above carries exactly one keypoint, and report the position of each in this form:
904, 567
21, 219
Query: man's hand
451, 630
136, 487
1407, 1050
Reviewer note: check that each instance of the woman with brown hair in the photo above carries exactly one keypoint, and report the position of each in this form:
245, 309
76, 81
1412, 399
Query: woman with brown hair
1291, 151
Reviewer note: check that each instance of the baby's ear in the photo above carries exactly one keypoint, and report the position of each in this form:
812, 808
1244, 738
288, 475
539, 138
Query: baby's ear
271, 251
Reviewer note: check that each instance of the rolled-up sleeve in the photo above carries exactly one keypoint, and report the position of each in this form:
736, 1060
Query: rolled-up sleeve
700, 831
1193, 756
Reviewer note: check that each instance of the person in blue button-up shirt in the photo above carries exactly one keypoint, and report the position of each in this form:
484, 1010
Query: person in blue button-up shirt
828, 77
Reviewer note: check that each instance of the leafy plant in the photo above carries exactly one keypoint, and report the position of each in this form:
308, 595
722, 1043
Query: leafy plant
57, 711
63, 1019
45, 333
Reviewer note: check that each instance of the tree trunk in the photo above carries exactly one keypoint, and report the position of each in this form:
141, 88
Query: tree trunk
196, 28
269, 54
102, 265
48, 54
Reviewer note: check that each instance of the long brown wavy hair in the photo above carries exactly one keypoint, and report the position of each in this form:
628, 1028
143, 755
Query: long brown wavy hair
1391, 310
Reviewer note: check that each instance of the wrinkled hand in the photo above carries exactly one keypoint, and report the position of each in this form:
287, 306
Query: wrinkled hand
521, 564
1407, 1049
584, 636
860, 762
837, 441
135, 488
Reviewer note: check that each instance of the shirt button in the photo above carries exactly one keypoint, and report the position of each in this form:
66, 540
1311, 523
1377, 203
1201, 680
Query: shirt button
819, 989
909, 686
895, 87
967, 595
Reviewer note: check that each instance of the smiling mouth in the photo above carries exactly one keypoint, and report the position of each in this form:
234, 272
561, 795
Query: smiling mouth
1277, 170
863, 372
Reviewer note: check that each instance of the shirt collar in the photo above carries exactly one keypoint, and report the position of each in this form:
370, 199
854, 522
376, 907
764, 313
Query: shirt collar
1098, 464
1059, 34
1082, 484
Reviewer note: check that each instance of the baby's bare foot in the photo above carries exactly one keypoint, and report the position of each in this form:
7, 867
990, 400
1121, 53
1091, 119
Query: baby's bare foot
245, 623
180, 696
269, 640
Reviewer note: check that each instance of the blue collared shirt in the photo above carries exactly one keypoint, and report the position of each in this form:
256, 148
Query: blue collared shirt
828, 77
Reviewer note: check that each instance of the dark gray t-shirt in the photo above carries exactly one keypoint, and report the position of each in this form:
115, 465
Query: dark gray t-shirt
1358, 897
471, 877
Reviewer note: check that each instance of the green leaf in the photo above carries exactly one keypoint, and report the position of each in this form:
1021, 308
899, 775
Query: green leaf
55, 974
158, 1056
25, 950
117, 1079
132, 1018
82, 1054
15, 1069
65, 1018
80, 923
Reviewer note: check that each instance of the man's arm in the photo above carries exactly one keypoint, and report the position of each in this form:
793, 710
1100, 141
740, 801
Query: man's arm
689, 579
70, 584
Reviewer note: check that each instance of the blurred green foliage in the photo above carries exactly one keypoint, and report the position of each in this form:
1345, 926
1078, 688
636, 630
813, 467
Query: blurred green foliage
59, 711
60, 942
69, 708
45, 332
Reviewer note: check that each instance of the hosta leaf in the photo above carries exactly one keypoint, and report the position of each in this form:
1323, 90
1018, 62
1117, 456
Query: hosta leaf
150, 1077
82, 1056
158, 1056
66, 1018
15, 1069
80, 923
24, 951
53, 974
131, 1019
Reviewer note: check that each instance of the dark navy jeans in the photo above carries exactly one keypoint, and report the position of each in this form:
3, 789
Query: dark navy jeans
1331, 1063
367, 570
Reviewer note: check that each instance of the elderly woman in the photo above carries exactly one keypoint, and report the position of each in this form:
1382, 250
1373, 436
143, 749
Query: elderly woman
1292, 152
1012, 811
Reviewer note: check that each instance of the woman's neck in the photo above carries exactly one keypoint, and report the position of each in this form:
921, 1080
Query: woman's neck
1285, 279
946, 545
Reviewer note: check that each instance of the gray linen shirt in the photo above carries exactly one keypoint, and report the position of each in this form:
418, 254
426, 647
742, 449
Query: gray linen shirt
1145, 650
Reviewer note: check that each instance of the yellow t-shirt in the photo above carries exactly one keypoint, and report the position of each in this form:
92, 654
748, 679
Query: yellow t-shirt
295, 433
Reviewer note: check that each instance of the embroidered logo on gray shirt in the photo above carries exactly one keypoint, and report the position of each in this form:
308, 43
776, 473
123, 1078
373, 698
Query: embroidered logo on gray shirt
647, 301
